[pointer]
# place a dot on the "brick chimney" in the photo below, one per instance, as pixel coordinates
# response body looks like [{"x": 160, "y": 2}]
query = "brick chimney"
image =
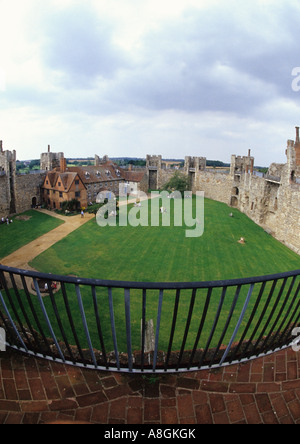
[
  {"x": 1, "y": 146},
  {"x": 63, "y": 165},
  {"x": 49, "y": 148},
  {"x": 297, "y": 134}
]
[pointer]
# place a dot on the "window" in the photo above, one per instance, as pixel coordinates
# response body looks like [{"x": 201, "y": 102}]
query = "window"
[
  {"x": 59, "y": 184},
  {"x": 77, "y": 194},
  {"x": 60, "y": 194},
  {"x": 77, "y": 182}
]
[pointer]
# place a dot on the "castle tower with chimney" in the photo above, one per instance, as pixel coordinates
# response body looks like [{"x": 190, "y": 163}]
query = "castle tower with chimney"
[
  {"x": 8, "y": 171},
  {"x": 50, "y": 160},
  {"x": 293, "y": 158}
]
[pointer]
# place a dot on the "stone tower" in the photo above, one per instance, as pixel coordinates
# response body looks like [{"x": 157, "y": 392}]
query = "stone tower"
[
  {"x": 154, "y": 166},
  {"x": 50, "y": 160},
  {"x": 293, "y": 158},
  {"x": 8, "y": 173}
]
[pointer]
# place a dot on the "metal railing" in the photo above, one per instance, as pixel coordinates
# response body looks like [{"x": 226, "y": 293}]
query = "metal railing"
[{"x": 103, "y": 324}]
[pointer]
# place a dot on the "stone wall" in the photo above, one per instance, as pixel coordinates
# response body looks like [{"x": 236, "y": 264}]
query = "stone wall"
[
  {"x": 28, "y": 191},
  {"x": 50, "y": 160},
  {"x": 272, "y": 200},
  {"x": 4, "y": 196}
]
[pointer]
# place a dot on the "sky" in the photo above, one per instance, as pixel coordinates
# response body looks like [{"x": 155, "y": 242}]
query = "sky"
[{"x": 136, "y": 77}]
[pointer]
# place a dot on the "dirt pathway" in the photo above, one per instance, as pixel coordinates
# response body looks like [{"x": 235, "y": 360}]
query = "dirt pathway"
[{"x": 21, "y": 257}]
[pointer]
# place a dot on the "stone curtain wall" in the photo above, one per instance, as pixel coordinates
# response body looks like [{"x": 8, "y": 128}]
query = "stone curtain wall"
[
  {"x": 273, "y": 201},
  {"x": 28, "y": 187},
  {"x": 4, "y": 197}
]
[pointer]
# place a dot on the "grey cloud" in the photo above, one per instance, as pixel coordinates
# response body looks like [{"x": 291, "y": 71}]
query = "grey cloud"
[
  {"x": 79, "y": 45},
  {"x": 226, "y": 59},
  {"x": 220, "y": 59}
]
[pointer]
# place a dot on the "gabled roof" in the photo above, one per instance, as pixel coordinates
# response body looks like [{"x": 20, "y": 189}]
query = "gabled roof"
[{"x": 66, "y": 179}]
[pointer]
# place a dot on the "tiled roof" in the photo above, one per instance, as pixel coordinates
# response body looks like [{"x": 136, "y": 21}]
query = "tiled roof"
[
  {"x": 100, "y": 173},
  {"x": 66, "y": 178},
  {"x": 134, "y": 176},
  {"x": 105, "y": 172}
]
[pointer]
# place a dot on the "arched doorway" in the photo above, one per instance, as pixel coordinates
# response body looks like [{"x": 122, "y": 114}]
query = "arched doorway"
[
  {"x": 234, "y": 201},
  {"x": 33, "y": 202}
]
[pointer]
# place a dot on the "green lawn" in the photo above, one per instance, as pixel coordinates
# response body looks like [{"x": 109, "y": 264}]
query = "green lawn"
[
  {"x": 21, "y": 232},
  {"x": 165, "y": 254}
]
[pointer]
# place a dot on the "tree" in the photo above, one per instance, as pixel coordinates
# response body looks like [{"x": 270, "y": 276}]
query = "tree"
[
  {"x": 70, "y": 205},
  {"x": 179, "y": 182},
  {"x": 34, "y": 163}
]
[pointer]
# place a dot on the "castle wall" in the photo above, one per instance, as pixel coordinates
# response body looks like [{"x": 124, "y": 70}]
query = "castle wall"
[
  {"x": 271, "y": 201},
  {"x": 216, "y": 186},
  {"x": 275, "y": 207},
  {"x": 28, "y": 191},
  {"x": 4, "y": 196}
]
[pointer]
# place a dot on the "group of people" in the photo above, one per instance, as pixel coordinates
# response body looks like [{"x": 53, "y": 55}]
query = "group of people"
[{"x": 6, "y": 220}]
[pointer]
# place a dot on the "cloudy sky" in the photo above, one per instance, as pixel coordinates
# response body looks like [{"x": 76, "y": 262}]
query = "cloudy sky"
[{"x": 136, "y": 77}]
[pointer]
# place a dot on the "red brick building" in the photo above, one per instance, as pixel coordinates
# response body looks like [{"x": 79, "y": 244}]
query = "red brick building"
[{"x": 80, "y": 183}]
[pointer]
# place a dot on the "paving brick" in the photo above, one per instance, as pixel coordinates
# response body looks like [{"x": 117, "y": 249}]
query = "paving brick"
[
  {"x": 100, "y": 414},
  {"x": 91, "y": 399},
  {"x": 267, "y": 391},
  {"x": 294, "y": 408},
  {"x": 252, "y": 414},
  {"x": 151, "y": 410},
  {"x": 263, "y": 402},
  {"x": 35, "y": 406},
  {"x": 280, "y": 407},
  {"x": 169, "y": 416},
  {"x": 63, "y": 404},
  {"x": 10, "y": 389},
  {"x": 37, "y": 389},
  {"x": 235, "y": 411},
  {"x": 203, "y": 414},
  {"x": 118, "y": 409},
  {"x": 134, "y": 416},
  {"x": 185, "y": 406},
  {"x": 242, "y": 388},
  {"x": 217, "y": 403}
]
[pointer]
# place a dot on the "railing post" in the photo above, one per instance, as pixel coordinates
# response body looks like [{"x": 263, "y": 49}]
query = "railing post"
[{"x": 128, "y": 328}]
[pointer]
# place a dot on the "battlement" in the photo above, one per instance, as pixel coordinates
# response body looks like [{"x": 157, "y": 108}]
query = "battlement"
[
  {"x": 195, "y": 163},
  {"x": 7, "y": 160},
  {"x": 242, "y": 164},
  {"x": 153, "y": 161}
]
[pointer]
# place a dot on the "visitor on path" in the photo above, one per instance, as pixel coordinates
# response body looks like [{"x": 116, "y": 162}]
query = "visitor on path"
[{"x": 82, "y": 213}]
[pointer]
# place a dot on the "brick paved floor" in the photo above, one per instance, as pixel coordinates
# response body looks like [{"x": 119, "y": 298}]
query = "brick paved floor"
[{"x": 265, "y": 391}]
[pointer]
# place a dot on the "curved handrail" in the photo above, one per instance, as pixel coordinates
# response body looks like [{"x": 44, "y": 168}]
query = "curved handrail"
[{"x": 195, "y": 325}]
